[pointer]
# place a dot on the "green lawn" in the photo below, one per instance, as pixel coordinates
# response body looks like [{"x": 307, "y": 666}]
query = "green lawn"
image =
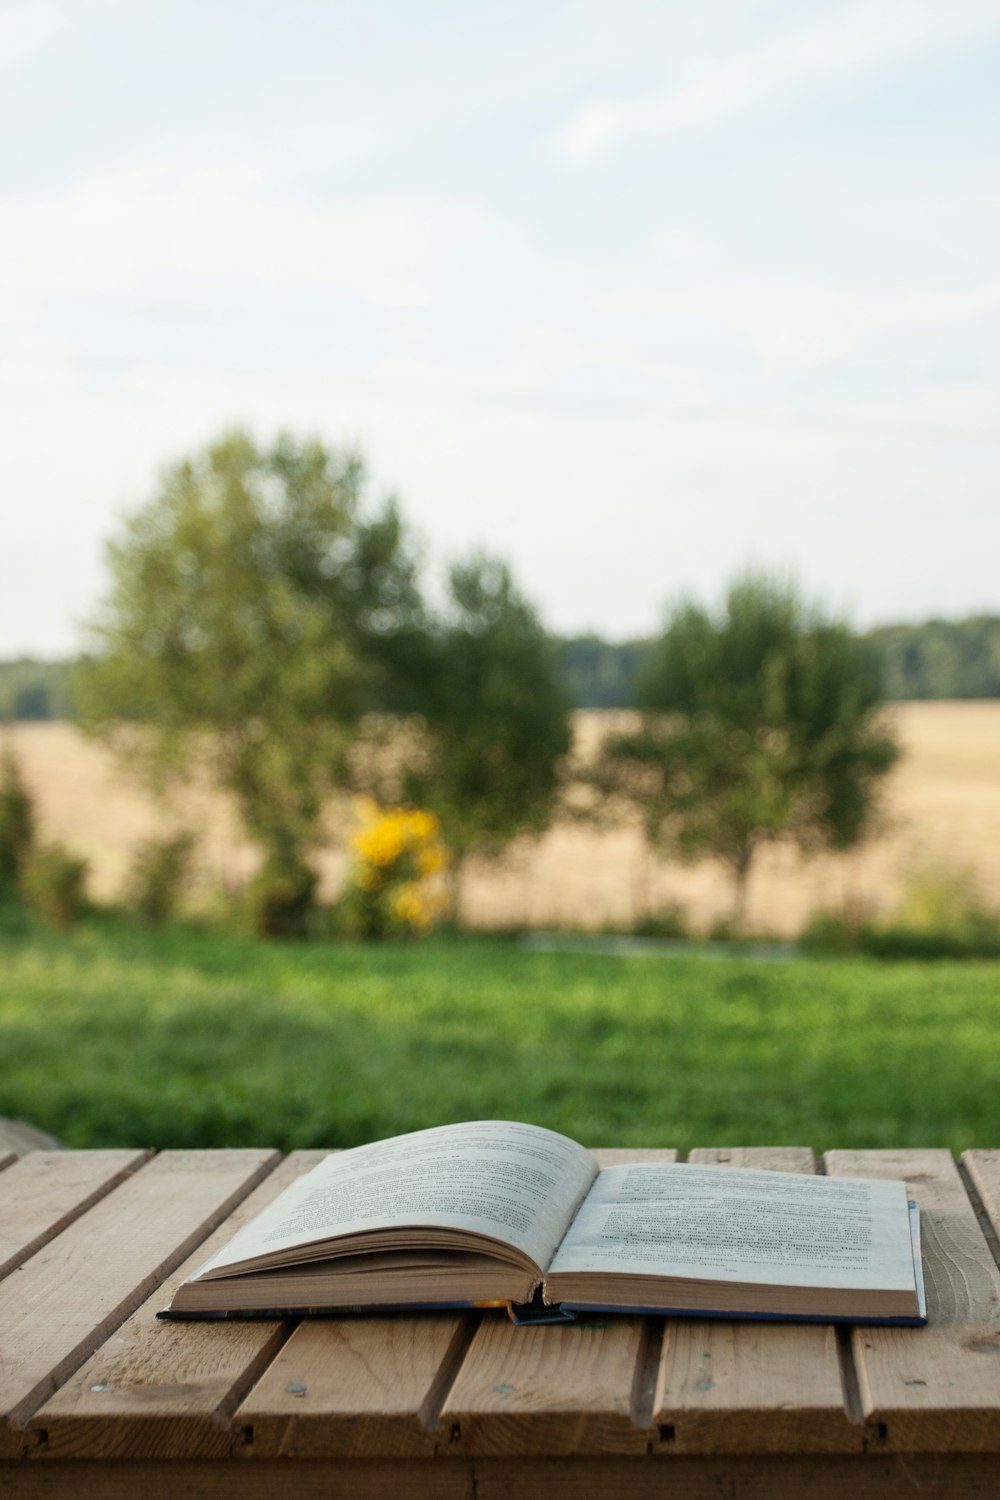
[{"x": 111, "y": 1035}]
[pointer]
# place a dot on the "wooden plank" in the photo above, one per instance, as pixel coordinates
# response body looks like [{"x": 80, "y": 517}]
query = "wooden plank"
[
  {"x": 45, "y": 1191},
  {"x": 566, "y": 1388},
  {"x": 357, "y": 1386},
  {"x": 160, "y": 1390},
  {"x": 726, "y": 1387},
  {"x": 231, "y": 1479},
  {"x": 570, "y": 1388},
  {"x": 65, "y": 1301},
  {"x": 763, "y": 1158},
  {"x": 862, "y": 1477},
  {"x": 21, "y": 1137},
  {"x": 866, "y": 1477},
  {"x": 982, "y": 1170},
  {"x": 937, "y": 1388}
]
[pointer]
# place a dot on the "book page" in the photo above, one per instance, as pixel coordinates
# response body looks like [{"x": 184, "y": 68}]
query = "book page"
[
  {"x": 719, "y": 1224},
  {"x": 517, "y": 1183}
]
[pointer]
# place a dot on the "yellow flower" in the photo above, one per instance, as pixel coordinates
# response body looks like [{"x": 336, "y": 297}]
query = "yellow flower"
[
  {"x": 398, "y": 850},
  {"x": 432, "y": 861},
  {"x": 408, "y": 906}
]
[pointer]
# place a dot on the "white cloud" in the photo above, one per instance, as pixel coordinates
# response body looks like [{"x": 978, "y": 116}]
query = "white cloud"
[
  {"x": 794, "y": 327},
  {"x": 172, "y": 225},
  {"x": 841, "y": 41},
  {"x": 538, "y": 363},
  {"x": 31, "y": 27}
]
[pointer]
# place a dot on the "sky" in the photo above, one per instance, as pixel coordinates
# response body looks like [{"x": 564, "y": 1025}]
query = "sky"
[{"x": 635, "y": 295}]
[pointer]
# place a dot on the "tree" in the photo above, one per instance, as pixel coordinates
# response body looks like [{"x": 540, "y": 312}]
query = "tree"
[
  {"x": 495, "y": 714},
  {"x": 759, "y": 724},
  {"x": 254, "y": 614}
]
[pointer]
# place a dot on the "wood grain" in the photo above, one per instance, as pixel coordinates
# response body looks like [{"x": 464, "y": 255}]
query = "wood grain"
[
  {"x": 239, "y": 1479},
  {"x": 862, "y": 1477},
  {"x": 157, "y": 1389},
  {"x": 935, "y": 1388},
  {"x": 357, "y": 1385},
  {"x": 405, "y": 1407},
  {"x": 560, "y": 1389},
  {"x": 868, "y": 1477},
  {"x": 45, "y": 1191},
  {"x": 982, "y": 1169},
  {"x": 571, "y": 1388},
  {"x": 725, "y": 1387},
  {"x": 70, "y": 1295}
]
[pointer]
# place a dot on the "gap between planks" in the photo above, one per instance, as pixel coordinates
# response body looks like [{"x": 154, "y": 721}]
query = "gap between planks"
[
  {"x": 949, "y": 1426},
  {"x": 45, "y": 1191},
  {"x": 166, "y": 1389},
  {"x": 735, "y": 1387},
  {"x": 937, "y": 1388},
  {"x": 71, "y": 1295},
  {"x": 584, "y": 1387}
]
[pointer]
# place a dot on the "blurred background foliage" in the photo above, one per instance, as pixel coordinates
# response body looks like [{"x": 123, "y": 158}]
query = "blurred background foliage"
[
  {"x": 927, "y": 660},
  {"x": 270, "y": 627}
]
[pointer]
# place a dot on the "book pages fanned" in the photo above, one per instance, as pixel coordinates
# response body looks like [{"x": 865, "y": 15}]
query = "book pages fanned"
[{"x": 497, "y": 1178}]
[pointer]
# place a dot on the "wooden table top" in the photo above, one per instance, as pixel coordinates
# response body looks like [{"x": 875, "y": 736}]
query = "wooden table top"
[{"x": 92, "y": 1244}]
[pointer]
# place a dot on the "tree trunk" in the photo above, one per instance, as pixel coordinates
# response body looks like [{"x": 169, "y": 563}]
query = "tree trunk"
[
  {"x": 741, "y": 874},
  {"x": 454, "y": 880},
  {"x": 642, "y": 884}
]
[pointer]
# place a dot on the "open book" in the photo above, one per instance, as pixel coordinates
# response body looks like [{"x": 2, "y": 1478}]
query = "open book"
[{"x": 499, "y": 1213}]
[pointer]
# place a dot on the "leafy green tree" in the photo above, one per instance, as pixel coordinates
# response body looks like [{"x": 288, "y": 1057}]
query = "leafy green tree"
[
  {"x": 495, "y": 713},
  {"x": 254, "y": 614},
  {"x": 759, "y": 724}
]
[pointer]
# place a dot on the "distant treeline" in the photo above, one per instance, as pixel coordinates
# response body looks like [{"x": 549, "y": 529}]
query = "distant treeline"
[
  {"x": 936, "y": 659},
  {"x": 32, "y": 690},
  {"x": 942, "y": 658}
]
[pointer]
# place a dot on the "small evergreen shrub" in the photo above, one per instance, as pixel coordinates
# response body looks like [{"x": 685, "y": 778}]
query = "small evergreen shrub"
[
  {"x": 281, "y": 897},
  {"x": 941, "y": 914},
  {"x": 667, "y": 922},
  {"x": 53, "y": 884},
  {"x": 160, "y": 868},
  {"x": 831, "y": 932},
  {"x": 17, "y": 824},
  {"x": 892, "y": 941}
]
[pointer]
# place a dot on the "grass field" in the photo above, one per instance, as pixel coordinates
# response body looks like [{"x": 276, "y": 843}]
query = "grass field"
[{"x": 113, "y": 1035}]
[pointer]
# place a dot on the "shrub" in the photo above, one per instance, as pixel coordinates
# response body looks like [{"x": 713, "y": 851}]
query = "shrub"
[
  {"x": 53, "y": 884},
  {"x": 156, "y": 880},
  {"x": 891, "y": 941},
  {"x": 280, "y": 898},
  {"x": 942, "y": 900},
  {"x": 941, "y": 914},
  {"x": 17, "y": 824},
  {"x": 831, "y": 932},
  {"x": 667, "y": 922},
  {"x": 396, "y": 885}
]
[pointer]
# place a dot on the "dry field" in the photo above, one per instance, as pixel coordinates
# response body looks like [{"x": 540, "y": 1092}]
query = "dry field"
[{"x": 943, "y": 814}]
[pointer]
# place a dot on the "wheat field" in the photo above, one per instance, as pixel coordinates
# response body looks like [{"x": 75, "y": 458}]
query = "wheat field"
[{"x": 942, "y": 815}]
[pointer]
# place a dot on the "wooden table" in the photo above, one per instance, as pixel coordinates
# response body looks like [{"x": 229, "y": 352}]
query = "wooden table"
[{"x": 98, "y": 1398}]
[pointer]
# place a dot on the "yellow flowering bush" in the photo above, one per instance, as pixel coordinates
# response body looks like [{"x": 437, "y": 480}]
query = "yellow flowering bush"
[{"x": 396, "y": 884}]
